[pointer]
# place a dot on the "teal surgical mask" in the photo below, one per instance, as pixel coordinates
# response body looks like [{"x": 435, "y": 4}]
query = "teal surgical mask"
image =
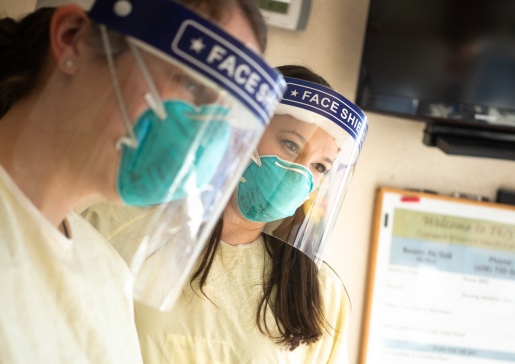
[
  {"x": 272, "y": 189},
  {"x": 148, "y": 171}
]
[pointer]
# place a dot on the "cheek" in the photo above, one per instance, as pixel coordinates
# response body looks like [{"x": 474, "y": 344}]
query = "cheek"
[
  {"x": 134, "y": 89},
  {"x": 170, "y": 83},
  {"x": 137, "y": 88},
  {"x": 177, "y": 93},
  {"x": 316, "y": 181},
  {"x": 269, "y": 145}
]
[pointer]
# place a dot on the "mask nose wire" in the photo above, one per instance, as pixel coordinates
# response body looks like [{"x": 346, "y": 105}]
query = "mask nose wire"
[
  {"x": 300, "y": 171},
  {"x": 152, "y": 98},
  {"x": 292, "y": 169},
  {"x": 129, "y": 140},
  {"x": 304, "y": 171}
]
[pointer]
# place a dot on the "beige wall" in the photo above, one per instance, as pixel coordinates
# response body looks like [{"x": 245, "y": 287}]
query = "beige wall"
[
  {"x": 15, "y": 8},
  {"x": 393, "y": 154}
]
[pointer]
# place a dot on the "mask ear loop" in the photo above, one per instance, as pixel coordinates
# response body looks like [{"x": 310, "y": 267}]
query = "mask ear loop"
[
  {"x": 152, "y": 98},
  {"x": 131, "y": 141}
]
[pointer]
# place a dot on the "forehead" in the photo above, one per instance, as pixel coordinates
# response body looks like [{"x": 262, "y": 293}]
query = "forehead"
[
  {"x": 236, "y": 24},
  {"x": 311, "y": 133},
  {"x": 289, "y": 123}
]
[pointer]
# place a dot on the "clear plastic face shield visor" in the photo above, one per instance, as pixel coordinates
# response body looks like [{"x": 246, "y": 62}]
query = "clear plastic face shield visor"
[
  {"x": 294, "y": 187},
  {"x": 182, "y": 104}
]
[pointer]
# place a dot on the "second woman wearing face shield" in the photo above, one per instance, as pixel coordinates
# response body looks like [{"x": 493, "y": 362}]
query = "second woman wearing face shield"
[
  {"x": 260, "y": 293},
  {"x": 121, "y": 98}
]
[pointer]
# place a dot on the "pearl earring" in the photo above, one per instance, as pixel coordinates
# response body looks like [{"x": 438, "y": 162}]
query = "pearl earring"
[{"x": 68, "y": 63}]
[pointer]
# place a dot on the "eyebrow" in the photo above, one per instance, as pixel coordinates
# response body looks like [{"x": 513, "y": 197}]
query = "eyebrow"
[
  {"x": 302, "y": 139},
  {"x": 331, "y": 162}
]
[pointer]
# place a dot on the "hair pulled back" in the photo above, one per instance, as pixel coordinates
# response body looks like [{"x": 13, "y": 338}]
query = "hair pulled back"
[
  {"x": 23, "y": 48},
  {"x": 24, "y": 44},
  {"x": 291, "y": 288}
]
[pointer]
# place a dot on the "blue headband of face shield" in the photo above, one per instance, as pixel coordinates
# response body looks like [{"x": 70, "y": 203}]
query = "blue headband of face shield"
[
  {"x": 165, "y": 136},
  {"x": 324, "y": 101}
]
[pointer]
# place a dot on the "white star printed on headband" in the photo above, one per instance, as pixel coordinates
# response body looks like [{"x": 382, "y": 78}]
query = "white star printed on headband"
[
  {"x": 197, "y": 45},
  {"x": 294, "y": 93}
]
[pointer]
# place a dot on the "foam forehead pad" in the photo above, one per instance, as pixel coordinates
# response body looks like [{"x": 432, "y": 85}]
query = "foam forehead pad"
[
  {"x": 340, "y": 136},
  {"x": 323, "y": 106}
]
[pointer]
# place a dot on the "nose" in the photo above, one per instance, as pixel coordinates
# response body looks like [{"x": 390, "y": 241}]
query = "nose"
[{"x": 303, "y": 159}]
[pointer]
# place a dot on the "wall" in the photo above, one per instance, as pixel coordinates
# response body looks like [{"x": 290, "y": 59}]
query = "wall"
[
  {"x": 14, "y": 8},
  {"x": 393, "y": 154}
]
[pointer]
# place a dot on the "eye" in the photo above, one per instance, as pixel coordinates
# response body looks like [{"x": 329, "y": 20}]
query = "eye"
[
  {"x": 191, "y": 86},
  {"x": 201, "y": 95},
  {"x": 292, "y": 146},
  {"x": 320, "y": 167}
]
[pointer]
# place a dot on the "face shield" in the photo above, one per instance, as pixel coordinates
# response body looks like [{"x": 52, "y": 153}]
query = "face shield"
[
  {"x": 182, "y": 104},
  {"x": 294, "y": 187},
  {"x": 203, "y": 94}
]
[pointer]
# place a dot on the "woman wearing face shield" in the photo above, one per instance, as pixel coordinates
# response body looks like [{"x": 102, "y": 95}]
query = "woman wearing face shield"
[
  {"x": 260, "y": 293},
  {"x": 101, "y": 97}
]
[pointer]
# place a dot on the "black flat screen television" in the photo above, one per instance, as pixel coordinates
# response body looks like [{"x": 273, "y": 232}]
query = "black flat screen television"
[{"x": 441, "y": 60}]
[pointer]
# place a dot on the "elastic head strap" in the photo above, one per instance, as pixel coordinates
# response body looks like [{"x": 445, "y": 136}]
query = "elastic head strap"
[
  {"x": 255, "y": 157},
  {"x": 153, "y": 99},
  {"x": 130, "y": 140}
]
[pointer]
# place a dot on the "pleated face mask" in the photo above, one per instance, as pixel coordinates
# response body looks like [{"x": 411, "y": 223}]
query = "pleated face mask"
[
  {"x": 148, "y": 172},
  {"x": 272, "y": 188}
]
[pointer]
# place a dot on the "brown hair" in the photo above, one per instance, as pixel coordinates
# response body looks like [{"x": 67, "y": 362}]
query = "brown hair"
[
  {"x": 291, "y": 290},
  {"x": 23, "y": 49},
  {"x": 24, "y": 44}
]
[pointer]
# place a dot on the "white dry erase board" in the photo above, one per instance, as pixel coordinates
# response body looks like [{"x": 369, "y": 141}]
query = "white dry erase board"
[{"x": 441, "y": 282}]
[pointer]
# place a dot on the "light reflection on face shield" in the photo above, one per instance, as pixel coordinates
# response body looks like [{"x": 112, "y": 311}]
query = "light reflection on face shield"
[{"x": 173, "y": 82}]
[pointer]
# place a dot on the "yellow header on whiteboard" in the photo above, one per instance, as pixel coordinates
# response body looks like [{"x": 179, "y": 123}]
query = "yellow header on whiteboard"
[{"x": 454, "y": 230}]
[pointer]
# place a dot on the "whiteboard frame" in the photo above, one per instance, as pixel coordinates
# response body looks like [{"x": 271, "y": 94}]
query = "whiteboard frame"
[{"x": 487, "y": 211}]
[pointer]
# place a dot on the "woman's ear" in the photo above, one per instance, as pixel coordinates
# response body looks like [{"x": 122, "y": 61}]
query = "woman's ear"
[{"x": 67, "y": 23}]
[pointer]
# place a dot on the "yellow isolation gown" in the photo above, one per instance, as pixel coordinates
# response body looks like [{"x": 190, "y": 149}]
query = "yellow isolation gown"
[
  {"x": 62, "y": 300},
  {"x": 222, "y": 330}
]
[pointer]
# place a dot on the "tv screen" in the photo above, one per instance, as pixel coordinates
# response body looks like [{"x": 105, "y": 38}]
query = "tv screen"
[{"x": 444, "y": 60}]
